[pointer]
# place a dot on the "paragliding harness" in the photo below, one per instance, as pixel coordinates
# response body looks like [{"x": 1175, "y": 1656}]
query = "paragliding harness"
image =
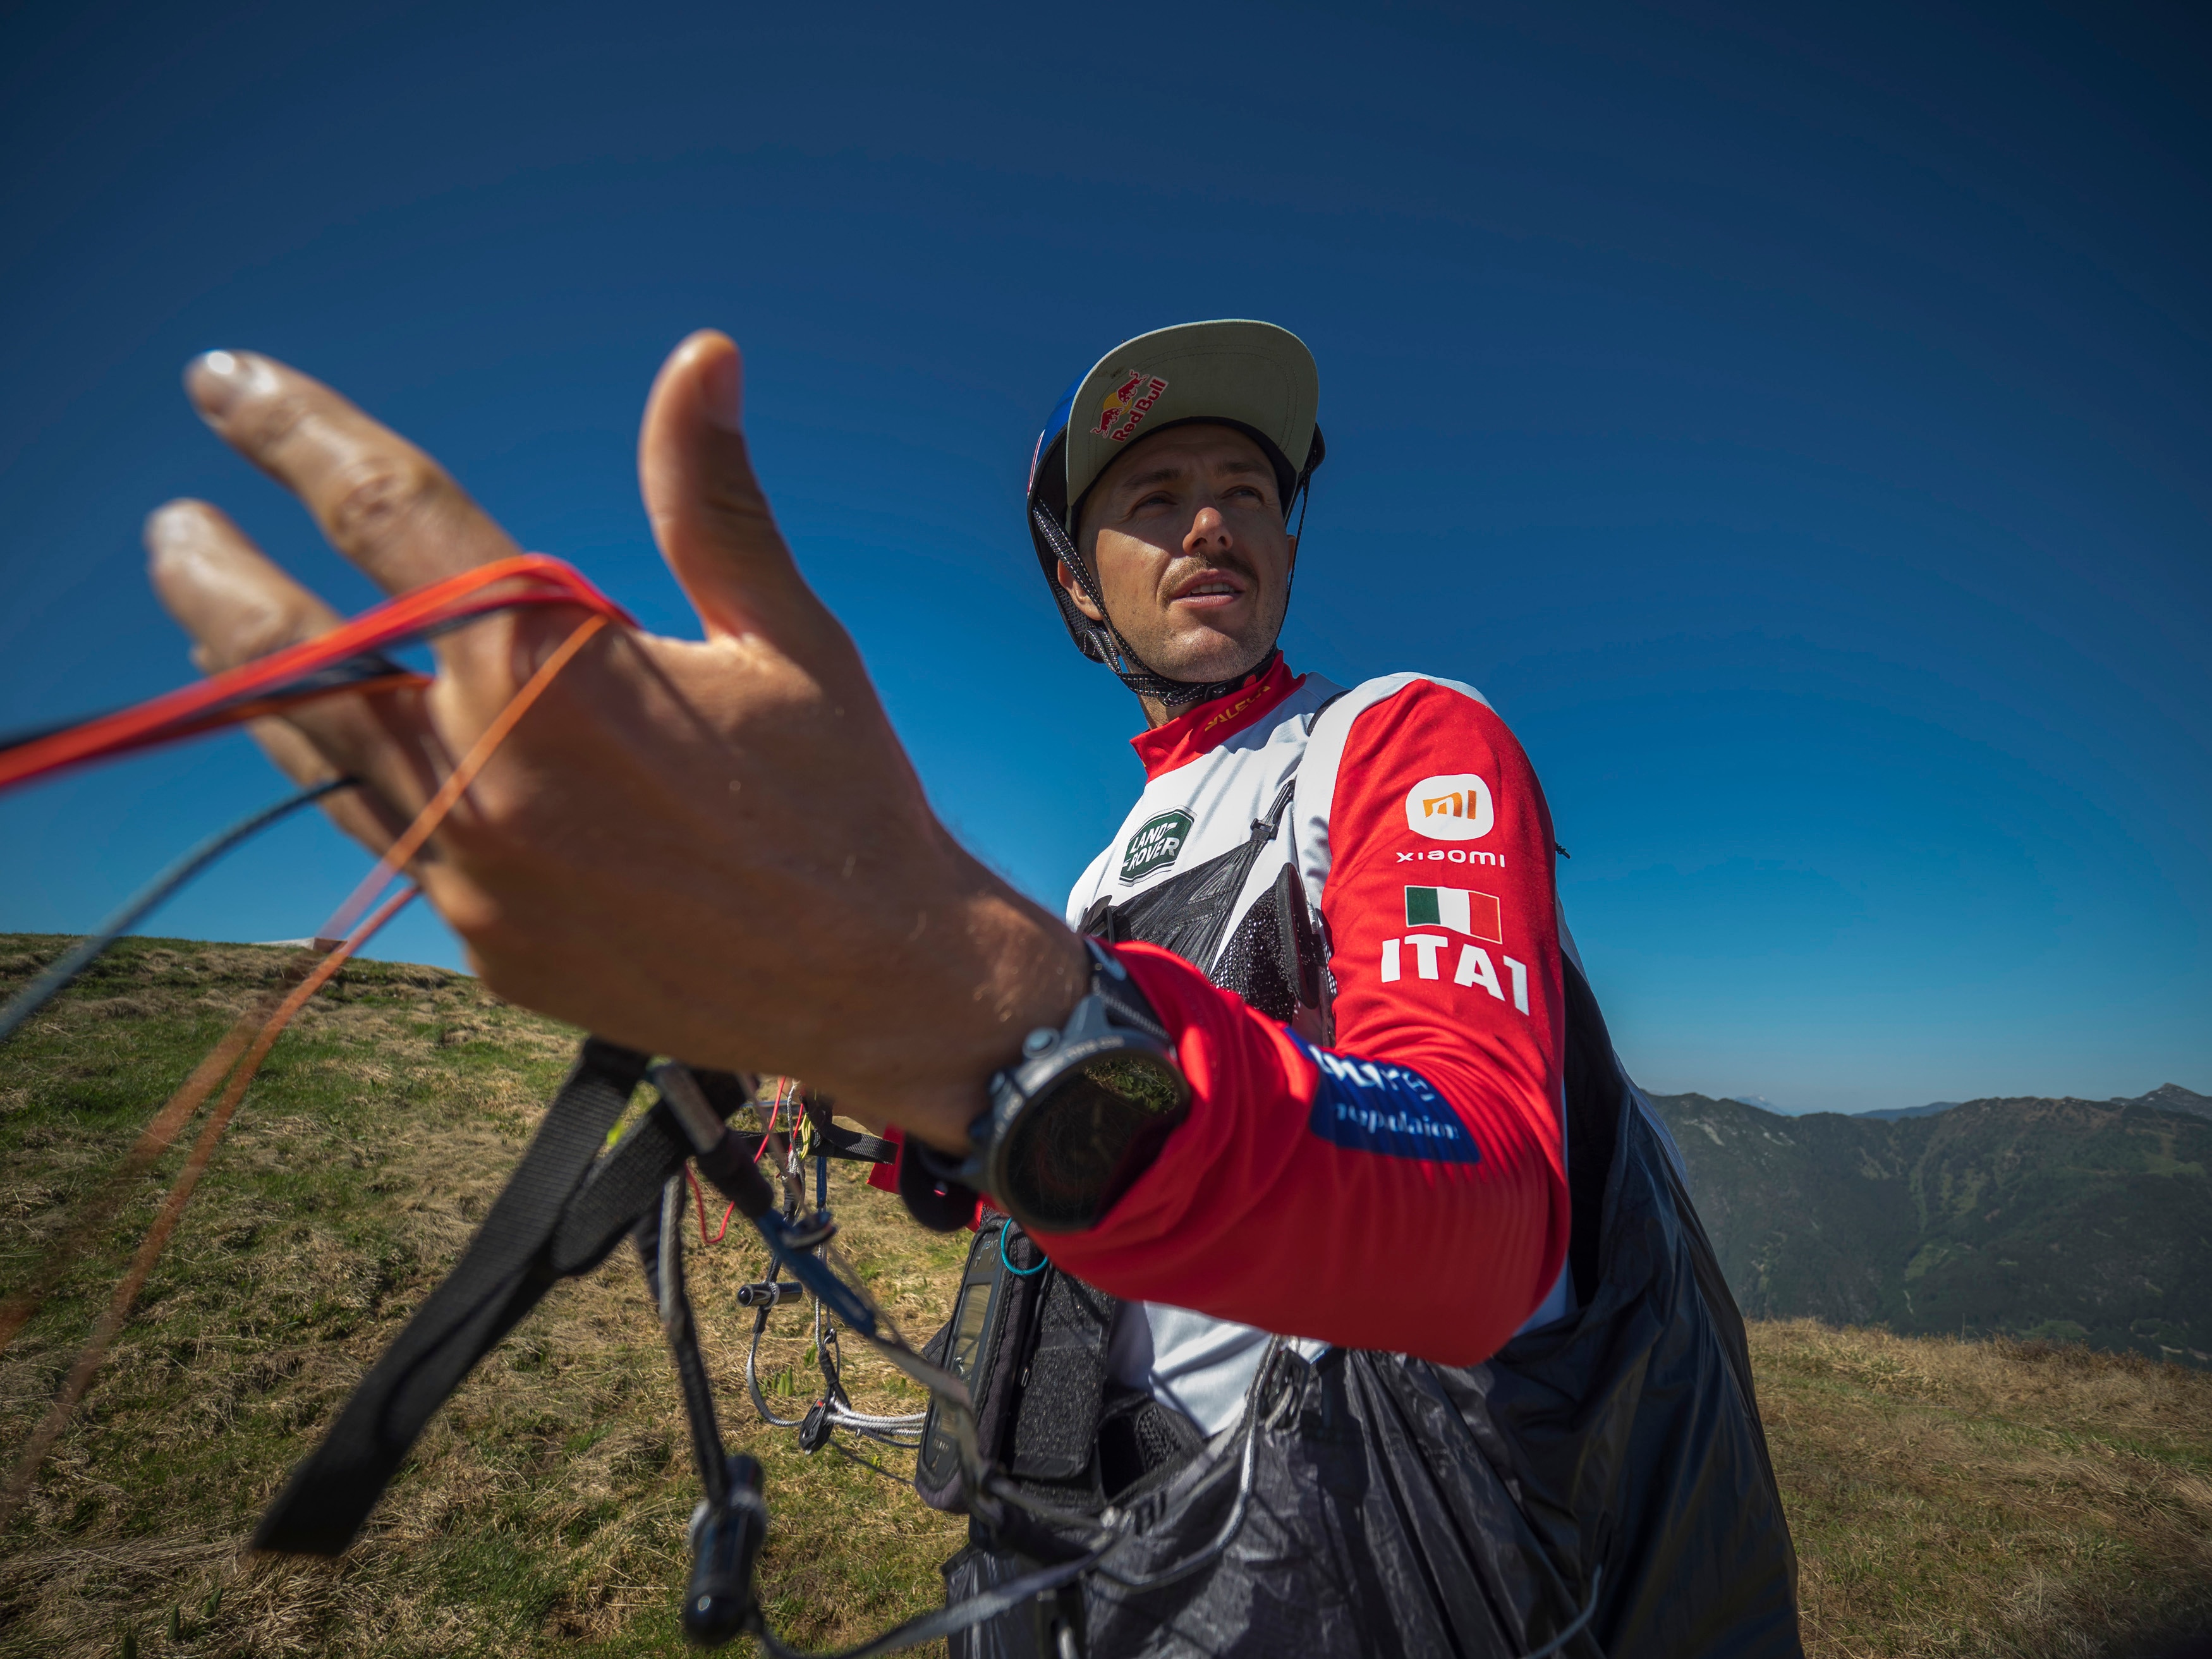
[
  {"x": 570, "y": 1202},
  {"x": 637, "y": 1189},
  {"x": 1600, "y": 1486}
]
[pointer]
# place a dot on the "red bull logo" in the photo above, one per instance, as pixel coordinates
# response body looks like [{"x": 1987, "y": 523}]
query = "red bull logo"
[{"x": 1127, "y": 405}]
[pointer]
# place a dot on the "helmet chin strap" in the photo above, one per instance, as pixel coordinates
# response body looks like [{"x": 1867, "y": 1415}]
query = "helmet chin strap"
[{"x": 1103, "y": 642}]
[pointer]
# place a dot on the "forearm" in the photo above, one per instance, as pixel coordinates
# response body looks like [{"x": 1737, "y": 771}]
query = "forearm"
[{"x": 1289, "y": 1200}]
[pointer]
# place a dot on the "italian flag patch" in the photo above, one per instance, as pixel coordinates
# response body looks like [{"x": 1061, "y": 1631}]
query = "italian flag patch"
[{"x": 1475, "y": 915}]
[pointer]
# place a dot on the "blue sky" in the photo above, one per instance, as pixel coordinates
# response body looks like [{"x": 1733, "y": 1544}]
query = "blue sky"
[{"x": 1799, "y": 430}]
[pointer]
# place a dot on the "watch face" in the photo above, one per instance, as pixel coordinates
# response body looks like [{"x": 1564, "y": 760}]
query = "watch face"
[
  {"x": 1065, "y": 1154},
  {"x": 1132, "y": 1080}
]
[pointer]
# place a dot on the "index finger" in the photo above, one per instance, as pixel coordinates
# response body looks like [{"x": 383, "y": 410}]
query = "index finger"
[{"x": 380, "y": 501}]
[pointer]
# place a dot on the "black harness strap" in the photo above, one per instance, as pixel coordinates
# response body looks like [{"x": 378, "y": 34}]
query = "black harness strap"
[
  {"x": 626, "y": 1183},
  {"x": 838, "y": 1141},
  {"x": 617, "y": 1189},
  {"x": 505, "y": 1270}
]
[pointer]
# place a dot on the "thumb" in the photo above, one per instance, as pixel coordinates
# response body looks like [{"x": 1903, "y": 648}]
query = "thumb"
[{"x": 708, "y": 511}]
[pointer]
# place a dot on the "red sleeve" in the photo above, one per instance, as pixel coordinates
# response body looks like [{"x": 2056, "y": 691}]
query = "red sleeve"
[{"x": 1407, "y": 1190}]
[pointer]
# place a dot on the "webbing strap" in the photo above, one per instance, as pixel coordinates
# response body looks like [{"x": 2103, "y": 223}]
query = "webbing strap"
[
  {"x": 616, "y": 1190},
  {"x": 500, "y": 1276},
  {"x": 838, "y": 1141}
]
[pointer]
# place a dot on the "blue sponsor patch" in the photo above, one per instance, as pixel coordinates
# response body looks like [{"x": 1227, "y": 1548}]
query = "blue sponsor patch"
[{"x": 1370, "y": 1107}]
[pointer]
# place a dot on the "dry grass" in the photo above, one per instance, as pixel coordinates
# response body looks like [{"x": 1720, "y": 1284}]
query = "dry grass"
[
  {"x": 1948, "y": 1498},
  {"x": 1955, "y": 1498},
  {"x": 545, "y": 1507}
]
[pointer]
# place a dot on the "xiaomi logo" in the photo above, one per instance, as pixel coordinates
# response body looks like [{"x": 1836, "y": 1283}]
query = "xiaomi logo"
[{"x": 1454, "y": 807}]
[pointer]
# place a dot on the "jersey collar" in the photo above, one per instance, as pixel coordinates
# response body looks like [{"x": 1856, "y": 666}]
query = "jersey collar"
[{"x": 1205, "y": 727}]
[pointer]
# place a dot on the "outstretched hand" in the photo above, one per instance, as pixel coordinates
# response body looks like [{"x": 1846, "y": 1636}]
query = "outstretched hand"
[{"x": 712, "y": 849}]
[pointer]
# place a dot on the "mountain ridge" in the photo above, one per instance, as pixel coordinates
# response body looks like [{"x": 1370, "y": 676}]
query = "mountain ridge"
[
  {"x": 2058, "y": 1218},
  {"x": 2167, "y": 1097},
  {"x": 1891, "y": 1113}
]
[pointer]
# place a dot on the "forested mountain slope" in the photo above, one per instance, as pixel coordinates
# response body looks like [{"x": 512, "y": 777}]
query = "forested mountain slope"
[
  {"x": 2167, "y": 1097},
  {"x": 2072, "y": 1219}
]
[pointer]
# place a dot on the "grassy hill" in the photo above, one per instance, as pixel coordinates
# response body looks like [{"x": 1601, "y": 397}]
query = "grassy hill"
[
  {"x": 1947, "y": 1497},
  {"x": 2073, "y": 1220}
]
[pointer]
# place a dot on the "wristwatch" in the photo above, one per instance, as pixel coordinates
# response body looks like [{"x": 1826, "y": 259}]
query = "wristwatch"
[{"x": 1071, "y": 1125}]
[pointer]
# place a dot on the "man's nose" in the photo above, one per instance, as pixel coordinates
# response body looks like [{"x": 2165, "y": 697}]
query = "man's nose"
[{"x": 1208, "y": 531}]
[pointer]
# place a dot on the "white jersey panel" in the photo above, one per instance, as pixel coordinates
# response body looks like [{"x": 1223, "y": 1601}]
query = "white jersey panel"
[{"x": 1205, "y": 808}]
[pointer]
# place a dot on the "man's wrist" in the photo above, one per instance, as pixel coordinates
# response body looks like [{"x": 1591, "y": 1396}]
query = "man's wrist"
[
  {"x": 1072, "y": 1122},
  {"x": 1083, "y": 1112},
  {"x": 1030, "y": 971}
]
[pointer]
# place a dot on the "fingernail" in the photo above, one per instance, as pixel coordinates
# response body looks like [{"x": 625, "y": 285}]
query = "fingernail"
[
  {"x": 171, "y": 525},
  {"x": 722, "y": 393},
  {"x": 215, "y": 380}
]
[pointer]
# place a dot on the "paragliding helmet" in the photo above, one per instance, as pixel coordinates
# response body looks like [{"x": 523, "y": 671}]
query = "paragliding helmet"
[{"x": 1254, "y": 377}]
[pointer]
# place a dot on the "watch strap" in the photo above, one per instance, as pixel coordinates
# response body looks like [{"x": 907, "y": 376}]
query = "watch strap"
[{"x": 1112, "y": 1016}]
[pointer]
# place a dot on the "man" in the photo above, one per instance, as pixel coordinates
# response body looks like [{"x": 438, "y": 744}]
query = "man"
[
  {"x": 1173, "y": 468},
  {"x": 1364, "y": 1147}
]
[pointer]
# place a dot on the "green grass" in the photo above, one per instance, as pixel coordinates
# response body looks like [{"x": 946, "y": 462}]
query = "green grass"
[
  {"x": 1948, "y": 1498},
  {"x": 544, "y": 1508}
]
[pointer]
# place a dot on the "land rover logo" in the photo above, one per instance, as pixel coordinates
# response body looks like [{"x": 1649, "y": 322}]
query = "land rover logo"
[{"x": 1155, "y": 845}]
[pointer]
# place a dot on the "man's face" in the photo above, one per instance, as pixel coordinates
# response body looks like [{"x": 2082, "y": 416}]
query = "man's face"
[{"x": 1187, "y": 539}]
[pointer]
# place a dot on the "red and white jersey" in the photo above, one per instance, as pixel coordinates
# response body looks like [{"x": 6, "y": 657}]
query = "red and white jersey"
[{"x": 1397, "y": 1179}]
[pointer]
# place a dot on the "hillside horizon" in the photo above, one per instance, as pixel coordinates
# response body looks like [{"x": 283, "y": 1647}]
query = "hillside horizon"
[
  {"x": 1927, "y": 1480},
  {"x": 2167, "y": 1096},
  {"x": 2057, "y": 1219},
  {"x": 2163, "y": 1097}
]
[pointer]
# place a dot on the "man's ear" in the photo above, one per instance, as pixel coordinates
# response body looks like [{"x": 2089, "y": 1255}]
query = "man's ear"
[
  {"x": 1293, "y": 541},
  {"x": 1081, "y": 600}
]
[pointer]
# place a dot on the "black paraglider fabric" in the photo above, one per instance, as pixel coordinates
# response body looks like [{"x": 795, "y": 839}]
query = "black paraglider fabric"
[
  {"x": 500, "y": 1277},
  {"x": 1066, "y": 1382},
  {"x": 1402, "y": 1507}
]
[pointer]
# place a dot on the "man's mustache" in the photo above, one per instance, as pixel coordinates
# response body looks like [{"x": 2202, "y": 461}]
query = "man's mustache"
[{"x": 1181, "y": 573}]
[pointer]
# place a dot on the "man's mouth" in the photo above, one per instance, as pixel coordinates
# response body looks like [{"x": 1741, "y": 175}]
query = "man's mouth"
[{"x": 1208, "y": 589}]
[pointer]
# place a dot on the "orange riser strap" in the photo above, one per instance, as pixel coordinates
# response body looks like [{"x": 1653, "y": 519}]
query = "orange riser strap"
[{"x": 247, "y": 690}]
